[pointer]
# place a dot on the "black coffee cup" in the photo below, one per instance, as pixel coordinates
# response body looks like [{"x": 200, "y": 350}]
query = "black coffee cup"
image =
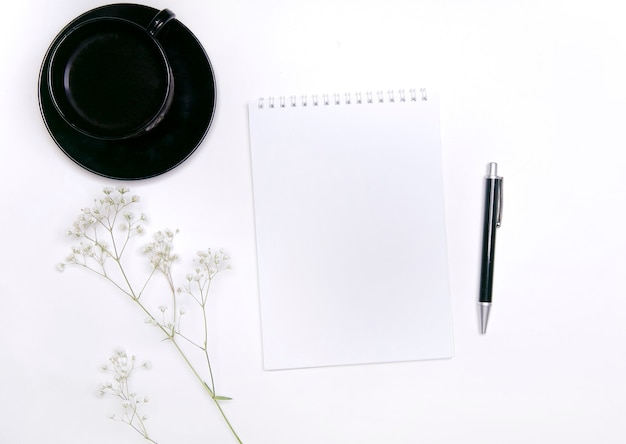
[{"x": 110, "y": 78}]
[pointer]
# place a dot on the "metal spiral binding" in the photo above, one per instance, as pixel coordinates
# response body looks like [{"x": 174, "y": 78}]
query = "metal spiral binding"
[{"x": 336, "y": 99}]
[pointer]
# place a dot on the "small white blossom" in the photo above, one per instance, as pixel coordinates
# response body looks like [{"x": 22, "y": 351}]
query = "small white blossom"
[{"x": 122, "y": 368}]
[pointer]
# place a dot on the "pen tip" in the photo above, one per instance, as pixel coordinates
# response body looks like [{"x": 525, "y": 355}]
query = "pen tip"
[{"x": 483, "y": 311}]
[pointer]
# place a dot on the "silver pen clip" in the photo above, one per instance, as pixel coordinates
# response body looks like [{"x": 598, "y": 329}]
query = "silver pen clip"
[{"x": 500, "y": 201}]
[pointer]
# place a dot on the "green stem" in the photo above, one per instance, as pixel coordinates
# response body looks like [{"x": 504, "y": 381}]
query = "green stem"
[
  {"x": 205, "y": 348},
  {"x": 206, "y": 387},
  {"x": 197, "y": 375},
  {"x": 182, "y": 354},
  {"x": 170, "y": 282},
  {"x": 204, "y": 295}
]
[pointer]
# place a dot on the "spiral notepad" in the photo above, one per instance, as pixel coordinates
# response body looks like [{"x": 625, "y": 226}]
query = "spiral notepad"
[{"x": 350, "y": 227}]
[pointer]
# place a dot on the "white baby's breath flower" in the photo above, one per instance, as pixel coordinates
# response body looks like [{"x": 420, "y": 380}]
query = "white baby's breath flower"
[
  {"x": 120, "y": 387},
  {"x": 105, "y": 232}
]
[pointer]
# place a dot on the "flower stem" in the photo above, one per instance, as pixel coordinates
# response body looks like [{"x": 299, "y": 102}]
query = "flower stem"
[
  {"x": 205, "y": 386},
  {"x": 171, "y": 336}
]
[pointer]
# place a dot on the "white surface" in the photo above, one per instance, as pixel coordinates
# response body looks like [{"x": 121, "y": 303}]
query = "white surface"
[
  {"x": 536, "y": 86},
  {"x": 351, "y": 235}
]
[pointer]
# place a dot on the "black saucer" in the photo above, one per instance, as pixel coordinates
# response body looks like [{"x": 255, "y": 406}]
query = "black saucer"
[{"x": 174, "y": 139}]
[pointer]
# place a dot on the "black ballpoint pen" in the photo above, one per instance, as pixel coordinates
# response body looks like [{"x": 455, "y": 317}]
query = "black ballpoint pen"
[{"x": 493, "y": 217}]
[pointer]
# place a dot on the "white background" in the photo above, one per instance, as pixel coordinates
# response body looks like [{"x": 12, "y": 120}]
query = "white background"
[{"x": 537, "y": 86}]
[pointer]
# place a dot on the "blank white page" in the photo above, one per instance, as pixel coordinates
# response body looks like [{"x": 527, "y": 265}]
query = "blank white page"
[{"x": 350, "y": 229}]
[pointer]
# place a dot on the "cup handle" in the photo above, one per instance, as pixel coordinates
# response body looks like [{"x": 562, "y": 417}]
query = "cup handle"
[{"x": 159, "y": 21}]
